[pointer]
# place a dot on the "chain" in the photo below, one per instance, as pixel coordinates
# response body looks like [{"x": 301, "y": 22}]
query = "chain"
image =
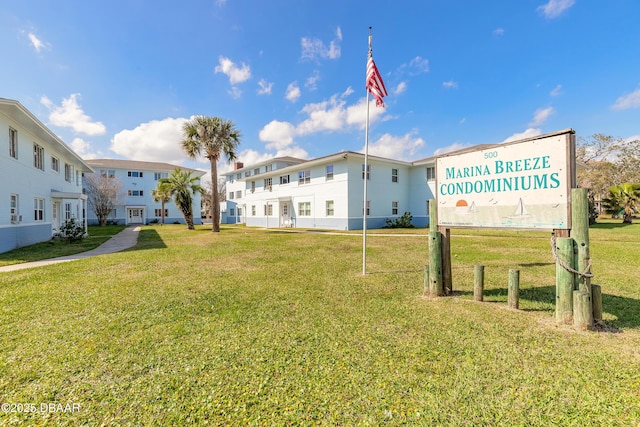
[{"x": 566, "y": 266}]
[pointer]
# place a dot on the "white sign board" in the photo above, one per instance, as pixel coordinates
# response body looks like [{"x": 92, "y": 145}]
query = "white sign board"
[{"x": 523, "y": 184}]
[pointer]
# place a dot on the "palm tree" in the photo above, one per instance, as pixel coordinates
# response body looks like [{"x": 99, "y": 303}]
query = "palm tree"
[
  {"x": 161, "y": 194},
  {"x": 211, "y": 137},
  {"x": 623, "y": 199},
  {"x": 181, "y": 185}
]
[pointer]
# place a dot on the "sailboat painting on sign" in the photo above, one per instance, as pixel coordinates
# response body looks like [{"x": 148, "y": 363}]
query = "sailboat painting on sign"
[{"x": 520, "y": 212}]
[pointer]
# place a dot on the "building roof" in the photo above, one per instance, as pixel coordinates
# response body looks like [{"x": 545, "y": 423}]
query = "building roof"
[
  {"x": 139, "y": 165},
  {"x": 20, "y": 114}
]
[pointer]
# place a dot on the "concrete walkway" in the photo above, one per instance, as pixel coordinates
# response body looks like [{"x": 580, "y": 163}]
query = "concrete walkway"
[{"x": 126, "y": 239}]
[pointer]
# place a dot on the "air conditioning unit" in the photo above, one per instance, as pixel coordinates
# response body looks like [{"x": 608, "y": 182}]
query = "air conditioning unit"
[{"x": 16, "y": 218}]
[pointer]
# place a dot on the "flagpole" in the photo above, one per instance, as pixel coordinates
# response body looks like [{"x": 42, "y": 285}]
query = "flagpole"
[{"x": 365, "y": 176}]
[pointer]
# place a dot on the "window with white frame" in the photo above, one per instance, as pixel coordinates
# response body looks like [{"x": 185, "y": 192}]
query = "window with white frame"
[
  {"x": 38, "y": 156},
  {"x": 304, "y": 209},
  {"x": 253, "y": 210},
  {"x": 247, "y": 174},
  {"x": 368, "y": 207},
  {"x": 239, "y": 211},
  {"x": 431, "y": 173},
  {"x": 368, "y": 171},
  {"x": 268, "y": 168},
  {"x": 13, "y": 206},
  {"x": 394, "y": 208},
  {"x": 231, "y": 195},
  {"x": 108, "y": 173},
  {"x": 160, "y": 175},
  {"x": 136, "y": 193},
  {"x": 253, "y": 186},
  {"x": 55, "y": 164},
  {"x": 158, "y": 212},
  {"x": 68, "y": 172},
  {"x": 13, "y": 143},
  {"x": 394, "y": 175},
  {"x": 239, "y": 194},
  {"x": 329, "y": 205},
  {"x": 67, "y": 211},
  {"x": 135, "y": 174},
  {"x": 38, "y": 209},
  {"x": 284, "y": 179},
  {"x": 268, "y": 210},
  {"x": 232, "y": 212},
  {"x": 256, "y": 171},
  {"x": 304, "y": 177},
  {"x": 328, "y": 172},
  {"x": 267, "y": 184}
]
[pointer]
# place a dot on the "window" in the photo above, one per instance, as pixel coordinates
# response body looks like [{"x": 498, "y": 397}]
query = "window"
[
  {"x": 239, "y": 211},
  {"x": 38, "y": 156},
  {"x": 329, "y": 207},
  {"x": 239, "y": 175},
  {"x": 253, "y": 210},
  {"x": 268, "y": 168},
  {"x": 67, "y": 211},
  {"x": 13, "y": 207},
  {"x": 304, "y": 177},
  {"x": 232, "y": 212},
  {"x": 268, "y": 210},
  {"x": 239, "y": 194},
  {"x": 135, "y": 174},
  {"x": 431, "y": 173},
  {"x": 394, "y": 208},
  {"x": 158, "y": 212},
  {"x": 38, "y": 209},
  {"x": 368, "y": 207},
  {"x": 267, "y": 184},
  {"x": 368, "y": 171},
  {"x": 68, "y": 172},
  {"x": 230, "y": 195},
  {"x": 135, "y": 193},
  {"x": 394, "y": 175},
  {"x": 13, "y": 143},
  {"x": 284, "y": 179},
  {"x": 256, "y": 171},
  {"x": 253, "y": 186},
  {"x": 55, "y": 164},
  {"x": 160, "y": 175},
  {"x": 247, "y": 174},
  {"x": 110, "y": 173},
  {"x": 328, "y": 173},
  {"x": 304, "y": 209}
]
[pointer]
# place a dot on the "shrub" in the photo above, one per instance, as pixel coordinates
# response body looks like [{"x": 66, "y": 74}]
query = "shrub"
[
  {"x": 71, "y": 231},
  {"x": 402, "y": 222}
]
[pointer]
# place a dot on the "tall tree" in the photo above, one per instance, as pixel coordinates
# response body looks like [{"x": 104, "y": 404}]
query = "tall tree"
[
  {"x": 211, "y": 137},
  {"x": 104, "y": 194},
  {"x": 623, "y": 199},
  {"x": 182, "y": 186},
  {"x": 163, "y": 195}
]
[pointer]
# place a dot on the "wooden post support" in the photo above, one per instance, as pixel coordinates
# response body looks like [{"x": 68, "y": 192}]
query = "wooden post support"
[
  {"x": 435, "y": 264},
  {"x": 447, "y": 280},
  {"x": 478, "y": 283},
  {"x": 580, "y": 233},
  {"x": 425, "y": 279},
  {"x": 564, "y": 281},
  {"x": 433, "y": 215},
  {"x": 582, "y": 310},
  {"x": 514, "y": 289},
  {"x": 596, "y": 300}
]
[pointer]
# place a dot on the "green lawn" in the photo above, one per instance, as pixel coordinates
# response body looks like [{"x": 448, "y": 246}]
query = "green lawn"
[{"x": 254, "y": 327}]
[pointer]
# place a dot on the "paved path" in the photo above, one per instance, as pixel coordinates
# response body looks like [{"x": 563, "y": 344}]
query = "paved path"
[{"x": 126, "y": 239}]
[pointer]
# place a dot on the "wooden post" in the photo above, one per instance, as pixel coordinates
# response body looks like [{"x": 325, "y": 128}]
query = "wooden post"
[
  {"x": 564, "y": 280},
  {"x": 582, "y": 310},
  {"x": 580, "y": 233},
  {"x": 596, "y": 300},
  {"x": 446, "y": 262},
  {"x": 435, "y": 264},
  {"x": 433, "y": 215},
  {"x": 514, "y": 289},
  {"x": 425, "y": 279},
  {"x": 478, "y": 283}
]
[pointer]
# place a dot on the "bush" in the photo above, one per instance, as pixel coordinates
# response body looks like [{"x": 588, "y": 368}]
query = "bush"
[
  {"x": 71, "y": 231},
  {"x": 402, "y": 222}
]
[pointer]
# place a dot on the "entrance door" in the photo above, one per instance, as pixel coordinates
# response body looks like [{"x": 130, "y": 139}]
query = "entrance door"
[
  {"x": 135, "y": 216},
  {"x": 285, "y": 215},
  {"x": 56, "y": 215}
]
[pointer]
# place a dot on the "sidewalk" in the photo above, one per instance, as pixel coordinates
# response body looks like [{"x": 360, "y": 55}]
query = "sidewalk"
[{"x": 126, "y": 239}]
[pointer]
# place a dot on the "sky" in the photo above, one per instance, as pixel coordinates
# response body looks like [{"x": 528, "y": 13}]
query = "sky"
[{"x": 119, "y": 78}]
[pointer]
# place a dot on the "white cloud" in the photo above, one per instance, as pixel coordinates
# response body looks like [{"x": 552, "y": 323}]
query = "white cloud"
[
  {"x": 234, "y": 92},
  {"x": 450, "y": 148},
  {"x": 357, "y": 114},
  {"x": 462, "y": 120},
  {"x": 313, "y": 48},
  {"x": 347, "y": 92},
  {"x": 155, "y": 141},
  {"x": 278, "y": 134},
  {"x": 84, "y": 149},
  {"x": 556, "y": 91},
  {"x": 450, "y": 84},
  {"x": 396, "y": 147},
  {"x": 419, "y": 65},
  {"x": 71, "y": 115},
  {"x": 541, "y": 115},
  {"x": 312, "y": 81},
  {"x": 401, "y": 88},
  {"x": 529, "y": 133},
  {"x": 555, "y": 8},
  {"x": 265, "y": 87},
  {"x": 498, "y": 32},
  {"x": 230, "y": 69},
  {"x": 293, "y": 92},
  {"x": 631, "y": 100},
  {"x": 37, "y": 44}
]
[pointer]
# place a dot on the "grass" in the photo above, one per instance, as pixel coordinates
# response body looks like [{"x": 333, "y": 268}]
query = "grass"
[
  {"x": 57, "y": 248},
  {"x": 254, "y": 327}
]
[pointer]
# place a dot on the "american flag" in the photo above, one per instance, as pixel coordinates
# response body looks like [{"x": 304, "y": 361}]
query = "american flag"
[{"x": 375, "y": 85}]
